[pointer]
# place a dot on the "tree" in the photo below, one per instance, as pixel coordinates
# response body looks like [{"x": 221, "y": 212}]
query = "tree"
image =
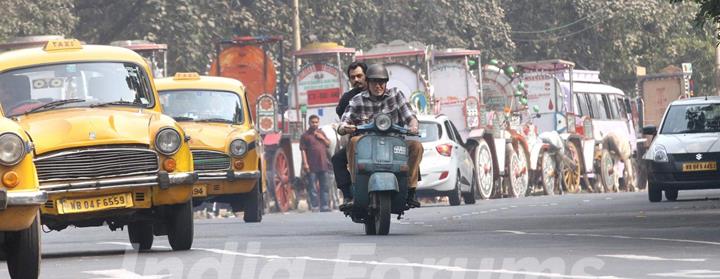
[
  {"x": 613, "y": 37},
  {"x": 40, "y": 17}
]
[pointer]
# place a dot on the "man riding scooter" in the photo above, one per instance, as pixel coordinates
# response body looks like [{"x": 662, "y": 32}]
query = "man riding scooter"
[{"x": 365, "y": 106}]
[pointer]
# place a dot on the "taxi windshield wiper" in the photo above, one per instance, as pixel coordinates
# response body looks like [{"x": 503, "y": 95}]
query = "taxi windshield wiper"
[
  {"x": 115, "y": 103},
  {"x": 53, "y": 104},
  {"x": 221, "y": 120},
  {"x": 183, "y": 118}
]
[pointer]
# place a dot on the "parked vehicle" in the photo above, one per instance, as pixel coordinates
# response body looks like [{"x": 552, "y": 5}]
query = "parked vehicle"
[
  {"x": 685, "y": 150},
  {"x": 97, "y": 105},
  {"x": 282, "y": 112},
  {"x": 447, "y": 167},
  {"x": 226, "y": 148},
  {"x": 155, "y": 54},
  {"x": 566, "y": 96},
  {"x": 20, "y": 201},
  {"x": 381, "y": 175}
]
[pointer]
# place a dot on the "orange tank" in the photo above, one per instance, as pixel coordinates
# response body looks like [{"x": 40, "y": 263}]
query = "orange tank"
[{"x": 245, "y": 63}]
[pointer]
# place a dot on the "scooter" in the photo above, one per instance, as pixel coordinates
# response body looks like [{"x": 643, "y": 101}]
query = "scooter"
[{"x": 381, "y": 175}]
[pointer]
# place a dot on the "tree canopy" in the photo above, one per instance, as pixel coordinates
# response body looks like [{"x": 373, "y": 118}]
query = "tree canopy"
[{"x": 610, "y": 36}]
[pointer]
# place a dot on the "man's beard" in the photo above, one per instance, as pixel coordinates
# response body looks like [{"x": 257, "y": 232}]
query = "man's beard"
[{"x": 358, "y": 85}]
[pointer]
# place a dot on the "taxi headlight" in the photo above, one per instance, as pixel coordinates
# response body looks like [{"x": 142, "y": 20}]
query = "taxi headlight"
[
  {"x": 167, "y": 141},
  {"x": 238, "y": 147},
  {"x": 383, "y": 122},
  {"x": 660, "y": 154},
  {"x": 12, "y": 149}
]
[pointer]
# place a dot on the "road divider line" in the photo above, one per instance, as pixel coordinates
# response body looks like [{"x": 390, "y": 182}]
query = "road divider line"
[
  {"x": 650, "y": 258},
  {"x": 614, "y": 236}
]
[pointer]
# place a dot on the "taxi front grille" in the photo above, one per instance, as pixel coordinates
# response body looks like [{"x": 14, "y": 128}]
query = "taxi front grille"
[
  {"x": 205, "y": 160},
  {"x": 79, "y": 164}
]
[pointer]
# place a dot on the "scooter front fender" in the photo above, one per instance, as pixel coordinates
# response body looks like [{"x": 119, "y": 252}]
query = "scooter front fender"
[{"x": 383, "y": 181}]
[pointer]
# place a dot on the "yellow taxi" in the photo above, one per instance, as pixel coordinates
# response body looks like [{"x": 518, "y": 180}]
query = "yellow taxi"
[
  {"x": 20, "y": 201},
  {"x": 226, "y": 148},
  {"x": 104, "y": 152}
]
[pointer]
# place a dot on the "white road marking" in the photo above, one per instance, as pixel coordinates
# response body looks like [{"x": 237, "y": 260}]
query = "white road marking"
[
  {"x": 375, "y": 263},
  {"x": 693, "y": 273},
  {"x": 412, "y": 265},
  {"x": 619, "y": 237},
  {"x": 513, "y": 232},
  {"x": 650, "y": 258},
  {"x": 122, "y": 274}
]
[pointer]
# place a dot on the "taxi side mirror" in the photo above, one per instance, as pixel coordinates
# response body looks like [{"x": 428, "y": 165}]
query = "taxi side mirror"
[{"x": 649, "y": 130}]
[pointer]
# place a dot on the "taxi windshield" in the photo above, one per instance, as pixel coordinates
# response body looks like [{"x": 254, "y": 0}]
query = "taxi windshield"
[
  {"x": 687, "y": 119},
  {"x": 58, "y": 86},
  {"x": 202, "y": 106}
]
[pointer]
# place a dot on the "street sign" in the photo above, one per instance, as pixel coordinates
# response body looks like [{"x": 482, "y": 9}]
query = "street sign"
[{"x": 687, "y": 68}]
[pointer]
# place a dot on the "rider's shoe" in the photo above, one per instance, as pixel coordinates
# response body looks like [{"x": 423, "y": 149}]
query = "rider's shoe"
[
  {"x": 412, "y": 201},
  {"x": 347, "y": 204}
]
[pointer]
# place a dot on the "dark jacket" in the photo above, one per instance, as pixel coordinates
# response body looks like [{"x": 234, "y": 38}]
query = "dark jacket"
[{"x": 345, "y": 100}]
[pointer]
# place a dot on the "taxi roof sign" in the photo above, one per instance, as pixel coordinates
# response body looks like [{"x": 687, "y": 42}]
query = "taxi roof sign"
[
  {"x": 62, "y": 44},
  {"x": 186, "y": 76}
]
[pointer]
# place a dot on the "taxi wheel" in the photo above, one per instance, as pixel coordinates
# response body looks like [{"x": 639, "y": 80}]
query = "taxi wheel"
[
  {"x": 671, "y": 194},
  {"x": 180, "y": 227},
  {"x": 654, "y": 193},
  {"x": 253, "y": 202},
  {"x": 141, "y": 235},
  {"x": 23, "y": 251}
]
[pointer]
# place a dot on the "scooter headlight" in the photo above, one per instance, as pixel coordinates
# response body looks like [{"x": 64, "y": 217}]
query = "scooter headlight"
[
  {"x": 383, "y": 122},
  {"x": 12, "y": 149}
]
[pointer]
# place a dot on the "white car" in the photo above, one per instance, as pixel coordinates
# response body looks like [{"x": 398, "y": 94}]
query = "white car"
[
  {"x": 447, "y": 167},
  {"x": 685, "y": 151}
]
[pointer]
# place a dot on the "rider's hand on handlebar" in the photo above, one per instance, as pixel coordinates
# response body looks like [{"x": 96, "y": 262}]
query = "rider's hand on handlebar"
[
  {"x": 347, "y": 128},
  {"x": 413, "y": 130}
]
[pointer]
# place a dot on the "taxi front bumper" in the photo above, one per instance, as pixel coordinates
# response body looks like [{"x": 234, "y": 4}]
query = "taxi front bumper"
[
  {"x": 21, "y": 198},
  {"x": 162, "y": 179},
  {"x": 229, "y": 175}
]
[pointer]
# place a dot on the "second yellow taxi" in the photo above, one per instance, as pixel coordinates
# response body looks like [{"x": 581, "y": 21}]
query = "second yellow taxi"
[{"x": 226, "y": 148}]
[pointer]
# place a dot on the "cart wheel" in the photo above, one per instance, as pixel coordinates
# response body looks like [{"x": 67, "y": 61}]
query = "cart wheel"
[
  {"x": 284, "y": 193},
  {"x": 607, "y": 172},
  {"x": 484, "y": 170},
  {"x": 570, "y": 177}
]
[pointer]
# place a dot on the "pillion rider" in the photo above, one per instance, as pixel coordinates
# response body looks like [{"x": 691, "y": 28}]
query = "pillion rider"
[{"x": 379, "y": 99}]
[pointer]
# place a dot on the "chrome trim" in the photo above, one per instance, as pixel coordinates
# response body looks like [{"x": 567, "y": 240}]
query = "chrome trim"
[
  {"x": 229, "y": 175},
  {"x": 26, "y": 198},
  {"x": 173, "y": 179},
  {"x": 38, "y": 160}
]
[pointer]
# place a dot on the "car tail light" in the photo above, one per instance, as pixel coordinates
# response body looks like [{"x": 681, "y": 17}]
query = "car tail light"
[
  {"x": 444, "y": 149},
  {"x": 443, "y": 175}
]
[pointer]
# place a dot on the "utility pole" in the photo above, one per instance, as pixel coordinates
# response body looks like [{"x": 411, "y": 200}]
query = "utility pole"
[
  {"x": 717, "y": 69},
  {"x": 296, "y": 30},
  {"x": 296, "y": 25}
]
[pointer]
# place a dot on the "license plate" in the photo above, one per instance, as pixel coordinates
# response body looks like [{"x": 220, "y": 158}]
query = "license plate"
[
  {"x": 699, "y": 166},
  {"x": 69, "y": 206},
  {"x": 199, "y": 191}
]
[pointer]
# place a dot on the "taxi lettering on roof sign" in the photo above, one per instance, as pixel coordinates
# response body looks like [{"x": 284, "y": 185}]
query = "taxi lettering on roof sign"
[
  {"x": 62, "y": 44},
  {"x": 186, "y": 76}
]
